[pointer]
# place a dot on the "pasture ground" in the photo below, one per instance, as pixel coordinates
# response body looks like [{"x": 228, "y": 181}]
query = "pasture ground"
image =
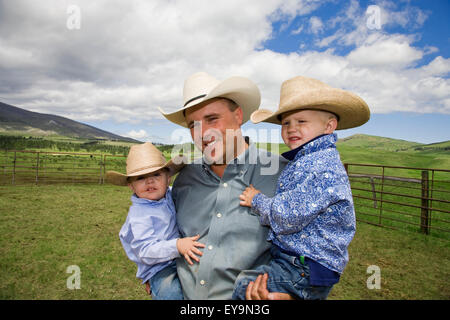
[{"x": 46, "y": 229}]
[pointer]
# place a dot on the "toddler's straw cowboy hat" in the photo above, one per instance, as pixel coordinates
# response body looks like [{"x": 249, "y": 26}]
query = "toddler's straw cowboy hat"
[
  {"x": 201, "y": 86},
  {"x": 301, "y": 93},
  {"x": 142, "y": 159}
]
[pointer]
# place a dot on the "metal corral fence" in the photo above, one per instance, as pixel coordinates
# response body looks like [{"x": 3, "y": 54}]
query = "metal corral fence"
[
  {"x": 25, "y": 167},
  {"x": 389, "y": 196},
  {"x": 402, "y": 197}
]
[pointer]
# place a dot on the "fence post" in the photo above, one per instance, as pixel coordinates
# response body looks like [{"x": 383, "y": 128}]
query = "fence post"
[
  {"x": 37, "y": 167},
  {"x": 104, "y": 169},
  {"x": 424, "y": 225},
  {"x": 381, "y": 197},
  {"x": 14, "y": 168}
]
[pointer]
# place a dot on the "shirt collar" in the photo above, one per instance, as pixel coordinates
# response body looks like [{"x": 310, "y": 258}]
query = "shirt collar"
[{"x": 318, "y": 142}]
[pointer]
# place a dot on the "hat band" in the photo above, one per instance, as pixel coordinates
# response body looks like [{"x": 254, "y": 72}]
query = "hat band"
[
  {"x": 143, "y": 168},
  {"x": 195, "y": 98}
]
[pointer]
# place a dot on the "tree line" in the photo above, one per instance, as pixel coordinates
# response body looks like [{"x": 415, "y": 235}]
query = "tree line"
[{"x": 24, "y": 143}]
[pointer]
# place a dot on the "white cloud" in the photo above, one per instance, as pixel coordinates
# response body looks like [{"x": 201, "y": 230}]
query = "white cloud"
[
  {"x": 298, "y": 30},
  {"x": 385, "y": 51},
  {"x": 315, "y": 25},
  {"x": 138, "y": 135},
  {"x": 129, "y": 58}
]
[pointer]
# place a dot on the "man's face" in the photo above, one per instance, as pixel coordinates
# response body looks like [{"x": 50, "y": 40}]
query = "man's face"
[{"x": 215, "y": 129}]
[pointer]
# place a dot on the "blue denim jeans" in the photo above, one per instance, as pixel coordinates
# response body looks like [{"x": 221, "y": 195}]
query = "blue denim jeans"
[
  {"x": 165, "y": 284},
  {"x": 286, "y": 274}
]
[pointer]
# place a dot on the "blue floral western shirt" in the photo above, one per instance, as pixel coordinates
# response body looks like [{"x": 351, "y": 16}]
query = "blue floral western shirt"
[{"x": 312, "y": 213}]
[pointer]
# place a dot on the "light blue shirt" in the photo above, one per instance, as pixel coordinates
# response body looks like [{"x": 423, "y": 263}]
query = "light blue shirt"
[
  {"x": 209, "y": 205},
  {"x": 149, "y": 234}
]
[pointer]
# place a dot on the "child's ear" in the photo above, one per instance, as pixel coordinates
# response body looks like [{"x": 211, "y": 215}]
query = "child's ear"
[
  {"x": 331, "y": 125},
  {"x": 131, "y": 187}
]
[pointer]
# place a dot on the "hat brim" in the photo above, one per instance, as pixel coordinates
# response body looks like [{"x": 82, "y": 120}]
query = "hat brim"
[
  {"x": 351, "y": 110},
  {"x": 119, "y": 179},
  {"x": 239, "y": 89}
]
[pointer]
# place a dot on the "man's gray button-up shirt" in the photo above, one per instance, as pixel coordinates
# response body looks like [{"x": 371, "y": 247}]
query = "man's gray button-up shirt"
[{"x": 209, "y": 205}]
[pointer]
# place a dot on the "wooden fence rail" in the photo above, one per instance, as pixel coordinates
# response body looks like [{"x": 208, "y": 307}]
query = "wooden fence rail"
[{"x": 389, "y": 196}]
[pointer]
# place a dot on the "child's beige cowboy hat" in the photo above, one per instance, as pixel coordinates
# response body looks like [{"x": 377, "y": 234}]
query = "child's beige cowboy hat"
[
  {"x": 201, "y": 86},
  {"x": 301, "y": 93},
  {"x": 142, "y": 159}
]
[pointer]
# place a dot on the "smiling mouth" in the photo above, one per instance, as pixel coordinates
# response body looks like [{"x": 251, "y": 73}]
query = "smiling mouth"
[
  {"x": 293, "y": 139},
  {"x": 209, "y": 144}
]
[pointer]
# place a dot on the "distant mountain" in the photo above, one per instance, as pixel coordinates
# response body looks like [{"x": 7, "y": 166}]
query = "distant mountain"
[{"x": 34, "y": 123}]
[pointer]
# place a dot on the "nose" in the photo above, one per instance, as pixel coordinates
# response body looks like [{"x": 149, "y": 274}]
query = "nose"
[
  {"x": 150, "y": 179},
  {"x": 291, "y": 127}
]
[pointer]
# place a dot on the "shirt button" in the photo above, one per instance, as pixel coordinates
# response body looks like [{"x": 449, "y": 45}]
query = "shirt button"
[
  {"x": 219, "y": 215},
  {"x": 210, "y": 247},
  {"x": 225, "y": 185},
  {"x": 202, "y": 282}
]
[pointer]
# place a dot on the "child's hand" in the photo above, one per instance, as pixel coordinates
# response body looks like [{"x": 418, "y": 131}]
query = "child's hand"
[
  {"x": 187, "y": 247},
  {"x": 247, "y": 196}
]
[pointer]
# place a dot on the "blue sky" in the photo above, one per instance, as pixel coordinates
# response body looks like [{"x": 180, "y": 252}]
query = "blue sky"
[{"x": 110, "y": 64}]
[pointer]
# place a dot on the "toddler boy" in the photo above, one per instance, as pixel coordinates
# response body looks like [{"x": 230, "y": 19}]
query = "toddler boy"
[
  {"x": 150, "y": 235},
  {"x": 311, "y": 217}
]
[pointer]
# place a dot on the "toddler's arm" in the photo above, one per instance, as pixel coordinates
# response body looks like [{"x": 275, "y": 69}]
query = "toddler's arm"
[
  {"x": 187, "y": 247},
  {"x": 290, "y": 211}
]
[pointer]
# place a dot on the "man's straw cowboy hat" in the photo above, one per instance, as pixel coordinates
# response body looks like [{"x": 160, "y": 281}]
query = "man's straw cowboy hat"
[
  {"x": 201, "y": 86},
  {"x": 142, "y": 159},
  {"x": 301, "y": 93}
]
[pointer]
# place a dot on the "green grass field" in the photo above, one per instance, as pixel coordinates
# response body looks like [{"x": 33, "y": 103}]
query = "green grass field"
[{"x": 45, "y": 229}]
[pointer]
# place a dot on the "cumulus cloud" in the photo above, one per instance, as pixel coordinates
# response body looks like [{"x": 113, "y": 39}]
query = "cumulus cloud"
[
  {"x": 128, "y": 58},
  {"x": 138, "y": 135}
]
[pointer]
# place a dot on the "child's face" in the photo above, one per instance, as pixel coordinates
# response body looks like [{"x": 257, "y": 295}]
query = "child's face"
[
  {"x": 151, "y": 186},
  {"x": 300, "y": 127}
]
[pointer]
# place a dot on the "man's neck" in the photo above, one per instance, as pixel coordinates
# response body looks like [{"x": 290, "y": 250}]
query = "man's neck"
[{"x": 219, "y": 169}]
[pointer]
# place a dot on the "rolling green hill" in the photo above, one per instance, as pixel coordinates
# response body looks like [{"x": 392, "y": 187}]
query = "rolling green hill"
[
  {"x": 367, "y": 149},
  {"x": 377, "y": 143}
]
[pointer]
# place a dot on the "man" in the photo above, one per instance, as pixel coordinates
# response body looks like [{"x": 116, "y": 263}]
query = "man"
[{"x": 206, "y": 193}]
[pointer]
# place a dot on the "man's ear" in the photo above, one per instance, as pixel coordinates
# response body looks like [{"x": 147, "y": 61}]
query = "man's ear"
[
  {"x": 239, "y": 115},
  {"x": 332, "y": 124}
]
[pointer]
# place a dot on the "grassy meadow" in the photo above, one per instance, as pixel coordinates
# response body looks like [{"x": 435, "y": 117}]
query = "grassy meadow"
[{"x": 47, "y": 228}]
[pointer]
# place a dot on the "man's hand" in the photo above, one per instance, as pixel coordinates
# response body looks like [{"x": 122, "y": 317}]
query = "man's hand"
[
  {"x": 258, "y": 290},
  {"x": 148, "y": 289},
  {"x": 187, "y": 247},
  {"x": 247, "y": 196}
]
